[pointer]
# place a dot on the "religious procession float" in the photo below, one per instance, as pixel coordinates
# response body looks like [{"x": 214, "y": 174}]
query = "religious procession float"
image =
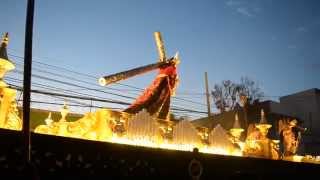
[{"x": 146, "y": 121}]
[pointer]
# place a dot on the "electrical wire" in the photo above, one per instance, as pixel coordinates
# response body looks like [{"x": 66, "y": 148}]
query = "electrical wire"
[{"x": 174, "y": 108}]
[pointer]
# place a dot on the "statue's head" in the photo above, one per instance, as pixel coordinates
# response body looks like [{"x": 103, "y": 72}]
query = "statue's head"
[
  {"x": 168, "y": 70},
  {"x": 293, "y": 123}
]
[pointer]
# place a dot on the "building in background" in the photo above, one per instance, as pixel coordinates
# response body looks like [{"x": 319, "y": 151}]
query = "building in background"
[{"x": 303, "y": 106}]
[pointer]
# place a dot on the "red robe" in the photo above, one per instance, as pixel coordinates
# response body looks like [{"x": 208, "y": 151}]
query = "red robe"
[{"x": 156, "y": 98}]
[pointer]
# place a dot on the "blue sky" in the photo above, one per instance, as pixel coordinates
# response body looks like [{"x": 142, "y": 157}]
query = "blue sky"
[{"x": 276, "y": 43}]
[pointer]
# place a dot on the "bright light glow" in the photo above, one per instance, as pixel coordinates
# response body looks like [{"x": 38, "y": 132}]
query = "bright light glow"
[
  {"x": 145, "y": 131},
  {"x": 297, "y": 158},
  {"x": 146, "y": 142}
]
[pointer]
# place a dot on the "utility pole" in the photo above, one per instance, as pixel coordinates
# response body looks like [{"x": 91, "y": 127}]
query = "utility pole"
[
  {"x": 27, "y": 79},
  {"x": 207, "y": 94}
]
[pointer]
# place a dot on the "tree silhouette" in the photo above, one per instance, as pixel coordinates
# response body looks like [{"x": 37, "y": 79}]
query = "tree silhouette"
[{"x": 227, "y": 95}]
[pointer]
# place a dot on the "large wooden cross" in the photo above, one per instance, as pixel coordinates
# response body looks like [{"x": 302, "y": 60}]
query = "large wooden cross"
[{"x": 113, "y": 78}]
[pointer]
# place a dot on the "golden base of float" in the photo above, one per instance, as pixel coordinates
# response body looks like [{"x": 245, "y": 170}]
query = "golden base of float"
[
  {"x": 139, "y": 130},
  {"x": 145, "y": 130}
]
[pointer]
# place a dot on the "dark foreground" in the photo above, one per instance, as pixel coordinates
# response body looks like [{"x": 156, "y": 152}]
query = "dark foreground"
[{"x": 65, "y": 158}]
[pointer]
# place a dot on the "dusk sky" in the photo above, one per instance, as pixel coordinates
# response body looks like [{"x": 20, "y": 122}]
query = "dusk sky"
[{"x": 274, "y": 42}]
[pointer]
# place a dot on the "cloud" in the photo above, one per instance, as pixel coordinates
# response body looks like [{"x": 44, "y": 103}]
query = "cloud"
[
  {"x": 244, "y": 11},
  {"x": 257, "y": 9},
  {"x": 292, "y": 46},
  {"x": 245, "y": 8},
  {"x": 232, "y": 3},
  {"x": 301, "y": 29}
]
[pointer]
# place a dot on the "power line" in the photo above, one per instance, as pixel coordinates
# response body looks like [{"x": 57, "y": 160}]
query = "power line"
[
  {"x": 70, "y": 96},
  {"x": 91, "y": 76},
  {"x": 48, "y": 87},
  {"x": 72, "y": 84},
  {"x": 93, "y": 99},
  {"x": 72, "y": 105},
  {"x": 74, "y": 79},
  {"x": 74, "y": 72},
  {"x": 85, "y": 88},
  {"x": 95, "y": 78},
  {"x": 37, "y": 84}
]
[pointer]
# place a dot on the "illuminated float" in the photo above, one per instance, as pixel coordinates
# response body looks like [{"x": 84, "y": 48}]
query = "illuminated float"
[{"x": 146, "y": 121}]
